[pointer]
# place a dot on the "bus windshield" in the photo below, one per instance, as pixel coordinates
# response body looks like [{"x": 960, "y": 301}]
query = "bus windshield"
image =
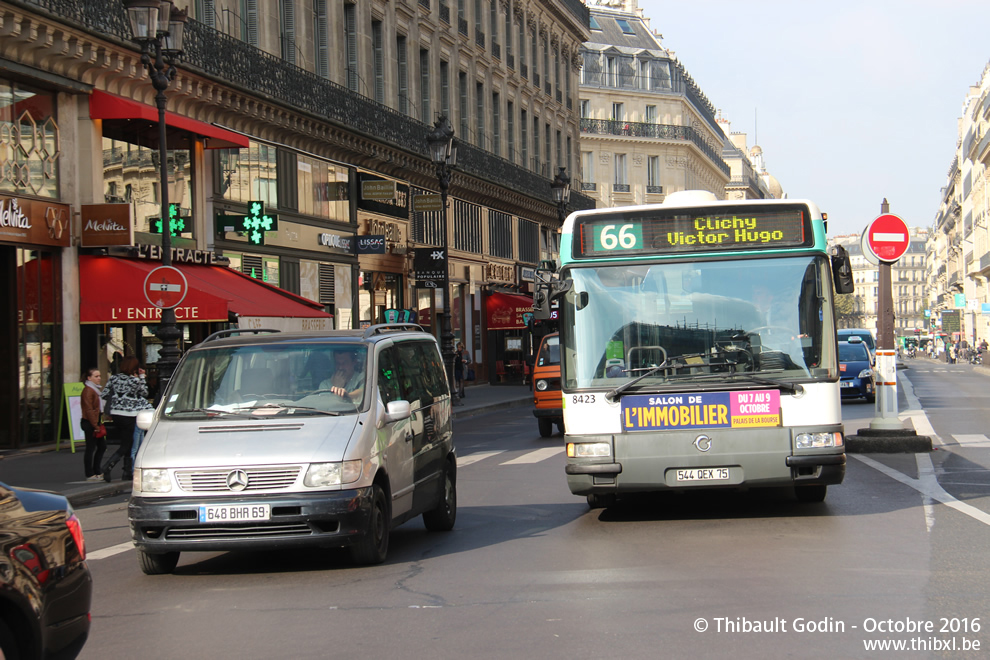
[{"x": 688, "y": 322}]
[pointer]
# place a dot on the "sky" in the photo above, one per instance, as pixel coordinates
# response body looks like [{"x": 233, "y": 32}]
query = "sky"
[{"x": 851, "y": 101}]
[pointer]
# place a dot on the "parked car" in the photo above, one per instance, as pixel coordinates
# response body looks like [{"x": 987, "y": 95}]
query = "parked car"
[
  {"x": 865, "y": 335},
  {"x": 45, "y": 584},
  {"x": 283, "y": 440},
  {"x": 856, "y": 370},
  {"x": 547, "y": 404}
]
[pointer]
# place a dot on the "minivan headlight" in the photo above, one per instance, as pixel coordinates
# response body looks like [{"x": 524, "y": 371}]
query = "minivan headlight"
[
  {"x": 321, "y": 475},
  {"x": 148, "y": 480}
]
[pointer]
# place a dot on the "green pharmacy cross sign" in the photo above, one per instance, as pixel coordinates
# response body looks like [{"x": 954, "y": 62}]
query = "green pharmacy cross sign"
[
  {"x": 176, "y": 222},
  {"x": 253, "y": 225}
]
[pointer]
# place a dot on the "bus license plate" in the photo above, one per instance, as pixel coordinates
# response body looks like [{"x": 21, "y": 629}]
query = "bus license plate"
[
  {"x": 234, "y": 513},
  {"x": 703, "y": 474}
]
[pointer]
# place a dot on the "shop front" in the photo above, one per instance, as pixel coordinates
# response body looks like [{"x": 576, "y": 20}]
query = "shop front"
[
  {"x": 33, "y": 234},
  {"x": 508, "y": 317},
  {"x": 118, "y": 318}
]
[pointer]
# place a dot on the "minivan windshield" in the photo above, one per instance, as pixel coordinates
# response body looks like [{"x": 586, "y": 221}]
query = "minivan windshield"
[{"x": 270, "y": 379}]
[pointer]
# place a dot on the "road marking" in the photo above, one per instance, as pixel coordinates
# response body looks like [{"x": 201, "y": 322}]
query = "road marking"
[
  {"x": 535, "y": 456},
  {"x": 927, "y": 485},
  {"x": 109, "y": 552},
  {"x": 474, "y": 458},
  {"x": 972, "y": 440}
]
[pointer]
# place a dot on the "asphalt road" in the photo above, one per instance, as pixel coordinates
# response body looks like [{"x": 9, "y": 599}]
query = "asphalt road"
[{"x": 530, "y": 571}]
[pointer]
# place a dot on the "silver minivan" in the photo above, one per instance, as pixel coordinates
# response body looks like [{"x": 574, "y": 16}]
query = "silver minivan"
[{"x": 285, "y": 440}]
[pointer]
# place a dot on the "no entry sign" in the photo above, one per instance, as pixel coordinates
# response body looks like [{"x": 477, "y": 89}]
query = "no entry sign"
[
  {"x": 888, "y": 237},
  {"x": 165, "y": 287}
]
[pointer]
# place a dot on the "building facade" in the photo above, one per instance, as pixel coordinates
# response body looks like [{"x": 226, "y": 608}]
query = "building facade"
[
  {"x": 646, "y": 127},
  {"x": 959, "y": 245},
  {"x": 296, "y": 131}
]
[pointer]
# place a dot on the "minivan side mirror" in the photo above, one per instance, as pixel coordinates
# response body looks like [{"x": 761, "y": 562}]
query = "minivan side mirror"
[
  {"x": 144, "y": 419},
  {"x": 396, "y": 411}
]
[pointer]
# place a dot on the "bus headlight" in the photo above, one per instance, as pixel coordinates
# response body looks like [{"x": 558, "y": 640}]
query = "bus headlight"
[
  {"x": 589, "y": 450},
  {"x": 542, "y": 385},
  {"x": 817, "y": 440},
  {"x": 151, "y": 481}
]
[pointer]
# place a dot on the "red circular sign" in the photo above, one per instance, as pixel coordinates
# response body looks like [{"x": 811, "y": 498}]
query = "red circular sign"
[
  {"x": 165, "y": 287},
  {"x": 888, "y": 237}
]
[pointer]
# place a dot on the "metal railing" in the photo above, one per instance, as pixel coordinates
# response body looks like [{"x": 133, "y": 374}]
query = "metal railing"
[{"x": 654, "y": 131}]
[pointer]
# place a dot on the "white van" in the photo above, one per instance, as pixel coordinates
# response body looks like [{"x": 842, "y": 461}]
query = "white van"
[{"x": 283, "y": 440}]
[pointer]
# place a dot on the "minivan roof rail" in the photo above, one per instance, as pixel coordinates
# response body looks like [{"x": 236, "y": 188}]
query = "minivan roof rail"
[
  {"x": 382, "y": 328},
  {"x": 235, "y": 331}
]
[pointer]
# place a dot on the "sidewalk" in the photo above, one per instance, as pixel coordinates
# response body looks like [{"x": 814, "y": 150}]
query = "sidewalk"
[{"x": 62, "y": 471}]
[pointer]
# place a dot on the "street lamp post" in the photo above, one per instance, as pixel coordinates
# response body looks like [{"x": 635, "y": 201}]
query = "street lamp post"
[
  {"x": 443, "y": 151},
  {"x": 158, "y": 28},
  {"x": 561, "y": 189}
]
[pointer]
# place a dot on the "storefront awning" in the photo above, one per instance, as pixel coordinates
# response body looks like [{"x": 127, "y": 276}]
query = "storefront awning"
[
  {"x": 135, "y": 122},
  {"x": 112, "y": 292},
  {"x": 506, "y": 311}
]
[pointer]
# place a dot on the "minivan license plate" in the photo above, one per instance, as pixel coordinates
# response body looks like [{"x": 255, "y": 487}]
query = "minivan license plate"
[
  {"x": 234, "y": 513},
  {"x": 703, "y": 474}
]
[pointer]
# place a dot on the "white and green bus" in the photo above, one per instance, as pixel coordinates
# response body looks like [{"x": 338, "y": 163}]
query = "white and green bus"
[{"x": 698, "y": 347}]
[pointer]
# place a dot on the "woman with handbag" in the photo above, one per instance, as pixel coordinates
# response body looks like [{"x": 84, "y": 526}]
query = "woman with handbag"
[
  {"x": 95, "y": 432},
  {"x": 127, "y": 393}
]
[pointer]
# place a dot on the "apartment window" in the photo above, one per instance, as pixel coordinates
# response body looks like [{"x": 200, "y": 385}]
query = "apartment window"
[
  {"x": 653, "y": 173},
  {"x": 511, "y": 129},
  {"x": 321, "y": 41},
  {"x": 508, "y": 32},
  {"x": 536, "y": 145},
  {"x": 463, "y": 91},
  {"x": 620, "y": 169},
  {"x": 522, "y": 49},
  {"x": 585, "y": 109},
  {"x": 524, "y": 137},
  {"x": 424, "y": 85},
  {"x": 593, "y": 23},
  {"x": 644, "y": 75},
  {"x": 444, "y": 90},
  {"x": 651, "y": 114},
  {"x": 287, "y": 17},
  {"x": 350, "y": 38},
  {"x": 546, "y": 60},
  {"x": 493, "y": 19},
  {"x": 567, "y": 82},
  {"x": 249, "y": 26},
  {"x": 588, "y": 170},
  {"x": 611, "y": 72},
  {"x": 379, "y": 50},
  {"x": 402, "y": 73},
  {"x": 479, "y": 109},
  {"x": 559, "y": 147},
  {"x": 618, "y": 112},
  {"x": 534, "y": 44},
  {"x": 496, "y": 125},
  {"x": 567, "y": 155},
  {"x": 547, "y": 142},
  {"x": 624, "y": 26}
]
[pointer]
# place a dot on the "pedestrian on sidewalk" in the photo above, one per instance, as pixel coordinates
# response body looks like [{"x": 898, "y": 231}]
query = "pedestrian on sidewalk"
[
  {"x": 127, "y": 393},
  {"x": 460, "y": 365},
  {"x": 91, "y": 405}
]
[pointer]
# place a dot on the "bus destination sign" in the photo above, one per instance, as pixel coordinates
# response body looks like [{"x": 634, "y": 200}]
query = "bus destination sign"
[{"x": 703, "y": 230}]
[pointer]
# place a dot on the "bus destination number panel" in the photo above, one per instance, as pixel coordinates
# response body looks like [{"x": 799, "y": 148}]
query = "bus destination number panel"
[{"x": 695, "y": 230}]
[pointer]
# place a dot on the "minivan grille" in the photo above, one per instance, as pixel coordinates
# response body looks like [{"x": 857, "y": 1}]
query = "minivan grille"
[
  {"x": 252, "y": 531},
  {"x": 215, "y": 480}
]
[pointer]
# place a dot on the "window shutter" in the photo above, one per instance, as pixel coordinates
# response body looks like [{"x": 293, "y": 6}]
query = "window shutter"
[
  {"x": 326, "y": 284},
  {"x": 251, "y": 266},
  {"x": 350, "y": 30},
  {"x": 322, "y": 45},
  {"x": 289, "y": 31},
  {"x": 251, "y": 19}
]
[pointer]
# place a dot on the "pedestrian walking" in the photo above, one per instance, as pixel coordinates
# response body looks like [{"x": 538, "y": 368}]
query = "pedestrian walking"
[
  {"x": 126, "y": 393},
  {"x": 92, "y": 425},
  {"x": 460, "y": 366}
]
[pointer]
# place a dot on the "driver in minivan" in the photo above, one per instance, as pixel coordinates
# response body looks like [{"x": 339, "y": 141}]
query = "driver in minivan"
[{"x": 347, "y": 380}]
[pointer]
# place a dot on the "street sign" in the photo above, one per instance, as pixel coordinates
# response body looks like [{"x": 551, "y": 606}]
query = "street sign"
[
  {"x": 165, "y": 287},
  {"x": 888, "y": 237}
]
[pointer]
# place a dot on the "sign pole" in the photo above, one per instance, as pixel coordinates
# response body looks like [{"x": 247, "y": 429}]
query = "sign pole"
[{"x": 885, "y": 411}]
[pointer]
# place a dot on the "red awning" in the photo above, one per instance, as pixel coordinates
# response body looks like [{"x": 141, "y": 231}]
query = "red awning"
[
  {"x": 506, "y": 311},
  {"x": 112, "y": 291},
  {"x": 136, "y": 122}
]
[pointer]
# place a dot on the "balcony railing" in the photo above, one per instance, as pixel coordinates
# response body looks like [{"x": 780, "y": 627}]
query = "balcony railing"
[
  {"x": 510, "y": 59},
  {"x": 496, "y": 50},
  {"x": 232, "y": 62},
  {"x": 445, "y": 13},
  {"x": 654, "y": 190},
  {"x": 479, "y": 37},
  {"x": 462, "y": 26},
  {"x": 620, "y": 187},
  {"x": 588, "y": 185},
  {"x": 654, "y": 131}
]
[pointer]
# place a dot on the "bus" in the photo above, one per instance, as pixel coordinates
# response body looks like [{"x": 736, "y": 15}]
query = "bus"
[{"x": 698, "y": 347}]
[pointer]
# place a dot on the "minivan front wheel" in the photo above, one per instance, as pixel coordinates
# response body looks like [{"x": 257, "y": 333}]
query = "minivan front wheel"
[
  {"x": 161, "y": 564},
  {"x": 372, "y": 547},
  {"x": 441, "y": 518}
]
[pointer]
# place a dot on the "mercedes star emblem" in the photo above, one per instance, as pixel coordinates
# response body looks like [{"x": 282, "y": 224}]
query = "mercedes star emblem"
[{"x": 237, "y": 480}]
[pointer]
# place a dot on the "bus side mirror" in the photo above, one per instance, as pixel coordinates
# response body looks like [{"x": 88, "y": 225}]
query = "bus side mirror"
[
  {"x": 546, "y": 291},
  {"x": 842, "y": 274}
]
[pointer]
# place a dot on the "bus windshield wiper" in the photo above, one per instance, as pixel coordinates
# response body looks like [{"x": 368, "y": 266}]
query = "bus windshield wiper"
[
  {"x": 612, "y": 394},
  {"x": 784, "y": 386}
]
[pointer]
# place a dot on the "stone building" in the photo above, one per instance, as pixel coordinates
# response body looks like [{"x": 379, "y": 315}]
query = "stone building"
[{"x": 311, "y": 113}]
